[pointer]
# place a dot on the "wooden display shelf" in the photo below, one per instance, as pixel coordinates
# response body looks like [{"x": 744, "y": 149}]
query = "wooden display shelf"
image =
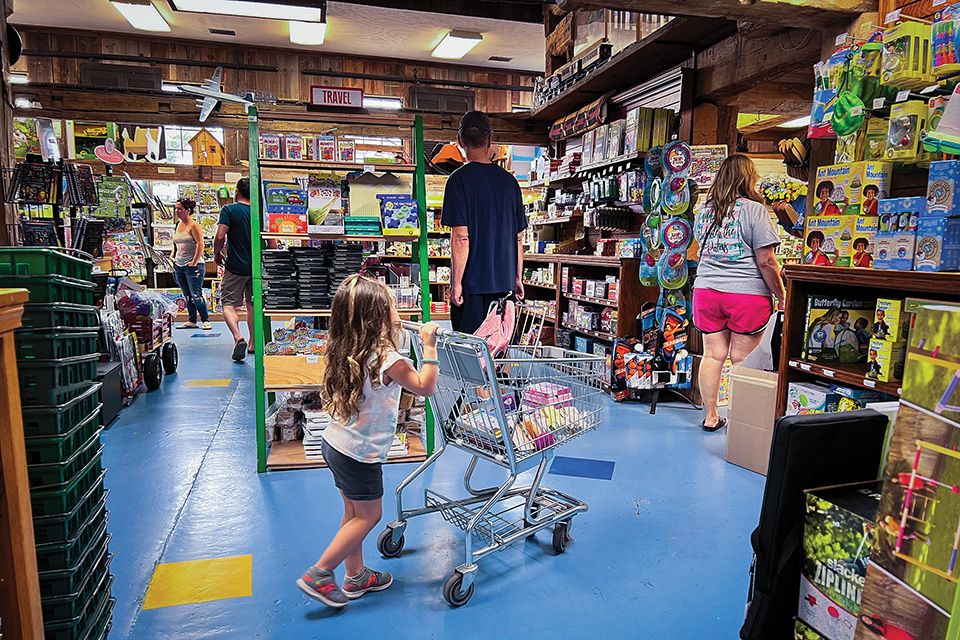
[
  {"x": 662, "y": 50},
  {"x": 541, "y": 285},
  {"x": 583, "y": 261},
  {"x": 289, "y": 455},
  {"x": 602, "y": 301},
  {"x": 621, "y": 159},
  {"x": 540, "y": 223},
  {"x": 806, "y": 280},
  {"x": 312, "y": 165},
  {"x": 851, "y": 374},
  {"x": 609, "y": 337},
  {"x": 410, "y": 257}
]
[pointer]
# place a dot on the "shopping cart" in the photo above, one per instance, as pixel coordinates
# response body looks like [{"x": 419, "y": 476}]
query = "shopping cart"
[{"x": 513, "y": 412}]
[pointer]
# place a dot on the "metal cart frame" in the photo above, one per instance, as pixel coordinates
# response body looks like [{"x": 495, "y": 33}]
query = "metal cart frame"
[{"x": 513, "y": 412}]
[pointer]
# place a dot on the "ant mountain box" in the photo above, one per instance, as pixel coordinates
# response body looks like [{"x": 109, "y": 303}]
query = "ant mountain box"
[
  {"x": 851, "y": 189},
  {"x": 840, "y": 240},
  {"x": 837, "y": 329},
  {"x": 838, "y": 532}
]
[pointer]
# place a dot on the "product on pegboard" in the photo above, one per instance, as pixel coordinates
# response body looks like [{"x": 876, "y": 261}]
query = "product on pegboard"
[
  {"x": 938, "y": 245},
  {"x": 875, "y": 139},
  {"x": 907, "y": 122},
  {"x": 837, "y": 329},
  {"x": 906, "y": 56}
]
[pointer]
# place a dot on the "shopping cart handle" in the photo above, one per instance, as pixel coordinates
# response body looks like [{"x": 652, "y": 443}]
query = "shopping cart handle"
[{"x": 415, "y": 326}]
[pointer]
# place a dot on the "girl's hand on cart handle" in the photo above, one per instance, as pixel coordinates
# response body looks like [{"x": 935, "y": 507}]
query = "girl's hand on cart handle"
[{"x": 428, "y": 333}]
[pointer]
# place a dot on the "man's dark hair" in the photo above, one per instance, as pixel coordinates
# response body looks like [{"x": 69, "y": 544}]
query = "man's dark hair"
[
  {"x": 243, "y": 187},
  {"x": 475, "y": 129}
]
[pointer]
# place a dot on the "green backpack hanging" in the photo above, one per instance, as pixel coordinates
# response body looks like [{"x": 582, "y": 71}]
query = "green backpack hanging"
[{"x": 848, "y": 114}]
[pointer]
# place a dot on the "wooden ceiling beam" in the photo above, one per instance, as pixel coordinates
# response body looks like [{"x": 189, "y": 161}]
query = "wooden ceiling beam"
[
  {"x": 525, "y": 11},
  {"x": 789, "y": 13},
  {"x": 787, "y": 99}
]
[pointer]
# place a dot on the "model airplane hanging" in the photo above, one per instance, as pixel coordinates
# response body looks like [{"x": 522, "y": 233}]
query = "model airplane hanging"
[{"x": 211, "y": 94}]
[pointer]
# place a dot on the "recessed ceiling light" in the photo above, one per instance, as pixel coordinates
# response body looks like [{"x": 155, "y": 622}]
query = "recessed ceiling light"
[
  {"x": 796, "y": 122},
  {"x": 18, "y": 78},
  {"x": 457, "y": 44},
  {"x": 308, "y": 33},
  {"x": 303, "y": 10},
  {"x": 141, "y": 14}
]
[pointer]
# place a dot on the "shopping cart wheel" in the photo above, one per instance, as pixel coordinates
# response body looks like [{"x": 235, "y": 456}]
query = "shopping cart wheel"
[
  {"x": 453, "y": 593},
  {"x": 561, "y": 536},
  {"x": 386, "y": 546},
  {"x": 170, "y": 357},
  {"x": 152, "y": 371}
]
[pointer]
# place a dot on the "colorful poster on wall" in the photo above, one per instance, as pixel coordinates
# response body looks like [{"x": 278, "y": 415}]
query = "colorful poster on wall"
[
  {"x": 706, "y": 163},
  {"x": 25, "y": 138}
]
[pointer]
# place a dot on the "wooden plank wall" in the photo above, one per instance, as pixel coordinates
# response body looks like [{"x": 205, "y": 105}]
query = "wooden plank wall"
[
  {"x": 288, "y": 83},
  {"x": 916, "y": 8}
]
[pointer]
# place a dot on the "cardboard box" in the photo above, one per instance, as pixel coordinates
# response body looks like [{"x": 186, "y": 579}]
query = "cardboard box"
[
  {"x": 938, "y": 245},
  {"x": 590, "y": 289},
  {"x": 837, "y": 329},
  {"x": 942, "y": 200},
  {"x": 885, "y": 361},
  {"x": 613, "y": 291},
  {"x": 750, "y": 417},
  {"x": 287, "y": 223},
  {"x": 890, "y": 321},
  {"x": 858, "y": 185},
  {"x": 565, "y": 278},
  {"x": 840, "y": 240},
  {"x": 838, "y": 532},
  {"x": 810, "y": 397}
]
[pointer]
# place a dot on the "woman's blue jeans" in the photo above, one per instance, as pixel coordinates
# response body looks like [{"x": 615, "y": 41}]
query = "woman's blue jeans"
[{"x": 190, "y": 280}]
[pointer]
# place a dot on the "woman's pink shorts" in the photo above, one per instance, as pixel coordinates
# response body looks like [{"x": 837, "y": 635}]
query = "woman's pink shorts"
[{"x": 742, "y": 313}]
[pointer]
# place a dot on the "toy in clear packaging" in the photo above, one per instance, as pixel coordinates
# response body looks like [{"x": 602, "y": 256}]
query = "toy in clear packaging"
[
  {"x": 876, "y": 139},
  {"x": 944, "y": 35},
  {"x": 906, "y": 56},
  {"x": 907, "y": 120}
]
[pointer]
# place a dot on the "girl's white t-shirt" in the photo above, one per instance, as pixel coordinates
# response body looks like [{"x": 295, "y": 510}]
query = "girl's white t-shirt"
[{"x": 367, "y": 437}]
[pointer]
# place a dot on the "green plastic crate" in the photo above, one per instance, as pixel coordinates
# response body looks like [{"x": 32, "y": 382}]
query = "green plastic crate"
[
  {"x": 64, "y": 372},
  {"x": 63, "y": 608},
  {"x": 49, "y": 476},
  {"x": 46, "y": 396},
  {"x": 61, "y": 556},
  {"x": 56, "y": 449},
  {"x": 46, "y": 344},
  {"x": 81, "y": 626},
  {"x": 59, "y": 314},
  {"x": 56, "y": 529},
  {"x": 63, "y": 498},
  {"x": 55, "y": 584},
  {"x": 43, "y": 262},
  {"x": 51, "y": 288},
  {"x": 104, "y": 622},
  {"x": 57, "y": 419}
]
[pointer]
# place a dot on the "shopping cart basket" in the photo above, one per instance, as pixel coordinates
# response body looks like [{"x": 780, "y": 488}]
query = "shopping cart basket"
[{"x": 513, "y": 412}]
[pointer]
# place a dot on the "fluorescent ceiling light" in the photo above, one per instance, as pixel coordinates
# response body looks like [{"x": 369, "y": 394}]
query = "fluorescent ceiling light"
[
  {"x": 18, "y": 78},
  {"x": 141, "y": 15},
  {"x": 170, "y": 88},
  {"x": 308, "y": 33},
  {"x": 376, "y": 102},
  {"x": 22, "y": 103},
  {"x": 457, "y": 44},
  {"x": 796, "y": 122},
  {"x": 249, "y": 9}
]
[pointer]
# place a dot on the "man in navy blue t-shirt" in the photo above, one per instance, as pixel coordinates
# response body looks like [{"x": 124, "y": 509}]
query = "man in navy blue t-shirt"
[{"x": 484, "y": 205}]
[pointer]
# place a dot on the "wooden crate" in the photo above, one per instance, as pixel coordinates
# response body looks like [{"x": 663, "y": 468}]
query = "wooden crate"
[{"x": 292, "y": 371}]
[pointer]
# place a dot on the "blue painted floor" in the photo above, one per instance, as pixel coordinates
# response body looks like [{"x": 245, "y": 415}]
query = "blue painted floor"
[{"x": 663, "y": 551}]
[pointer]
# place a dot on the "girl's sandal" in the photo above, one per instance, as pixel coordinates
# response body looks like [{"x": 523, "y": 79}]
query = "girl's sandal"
[{"x": 188, "y": 325}]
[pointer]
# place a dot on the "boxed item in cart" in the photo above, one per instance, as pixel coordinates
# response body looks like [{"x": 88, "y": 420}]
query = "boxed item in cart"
[
  {"x": 838, "y": 533},
  {"x": 942, "y": 199},
  {"x": 810, "y": 397},
  {"x": 938, "y": 245},
  {"x": 544, "y": 394},
  {"x": 885, "y": 361}
]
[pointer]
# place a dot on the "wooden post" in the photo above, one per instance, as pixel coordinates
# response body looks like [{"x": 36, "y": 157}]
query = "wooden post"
[{"x": 19, "y": 584}]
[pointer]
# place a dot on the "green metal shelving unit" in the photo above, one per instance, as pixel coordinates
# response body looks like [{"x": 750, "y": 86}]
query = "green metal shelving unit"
[{"x": 262, "y": 323}]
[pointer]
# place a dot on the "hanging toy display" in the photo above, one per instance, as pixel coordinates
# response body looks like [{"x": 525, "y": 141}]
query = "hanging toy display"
[
  {"x": 652, "y": 167},
  {"x": 672, "y": 269},
  {"x": 677, "y": 158}
]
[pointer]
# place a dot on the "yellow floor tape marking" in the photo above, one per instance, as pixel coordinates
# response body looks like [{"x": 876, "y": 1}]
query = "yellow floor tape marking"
[
  {"x": 195, "y": 581},
  {"x": 209, "y": 382}
]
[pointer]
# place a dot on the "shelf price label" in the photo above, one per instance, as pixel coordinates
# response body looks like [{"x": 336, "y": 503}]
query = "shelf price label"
[
  {"x": 805, "y": 367},
  {"x": 369, "y": 168},
  {"x": 313, "y": 359},
  {"x": 842, "y": 38},
  {"x": 828, "y": 372},
  {"x": 893, "y": 16},
  {"x": 879, "y": 102},
  {"x": 869, "y": 383},
  {"x": 857, "y": 110},
  {"x": 903, "y": 95}
]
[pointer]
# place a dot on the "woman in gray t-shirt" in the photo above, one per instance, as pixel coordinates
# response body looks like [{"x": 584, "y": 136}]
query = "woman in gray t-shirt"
[{"x": 737, "y": 274}]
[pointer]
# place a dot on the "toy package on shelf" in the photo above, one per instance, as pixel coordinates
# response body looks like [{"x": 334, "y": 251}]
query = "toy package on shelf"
[
  {"x": 837, "y": 329},
  {"x": 324, "y": 204},
  {"x": 208, "y": 199},
  {"x": 942, "y": 198},
  {"x": 875, "y": 139},
  {"x": 885, "y": 360},
  {"x": 298, "y": 341},
  {"x": 890, "y": 321},
  {"x": 285, "y": 206},
  {"x": 897, "y": 233},
  {"x": 400, "y": 214},
  {"x": 943, "y": 41},
  {"x": 938, "y": 244},
  {"x": 840, "y": 240},
  {"x": 851, "y": 189},
  {"x": 293, "y": 146},
  {"x": 907, "y": 121},
  {"x": 810, "y": 397},
  {"x": 270, "y": 146},
  {"x": 347, "y": 150},
  {"x": 906, "y": 56},
  {"x": 326, "y": 148}
]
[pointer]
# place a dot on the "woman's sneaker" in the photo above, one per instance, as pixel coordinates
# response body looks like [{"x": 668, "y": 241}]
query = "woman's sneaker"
[
  {"x": 368, "y": 580},
  {"x": 321, "y": 585}
]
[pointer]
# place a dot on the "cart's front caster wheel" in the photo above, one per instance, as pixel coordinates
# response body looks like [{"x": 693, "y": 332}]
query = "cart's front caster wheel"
[
  {"x": 152, "y": 371},
  {"x": 387, "y": 547},
  {"x": 170, "y": 357},
  {"x": 561, "y": 536},
  {"x": 453, "y": 592}
]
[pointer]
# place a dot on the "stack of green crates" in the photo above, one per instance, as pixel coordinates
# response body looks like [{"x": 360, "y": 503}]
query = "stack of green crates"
[{"x": 57, "y": 354}]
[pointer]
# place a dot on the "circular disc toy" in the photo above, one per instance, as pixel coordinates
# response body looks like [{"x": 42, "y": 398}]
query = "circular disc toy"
[{"x": 677, "y": 156}]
